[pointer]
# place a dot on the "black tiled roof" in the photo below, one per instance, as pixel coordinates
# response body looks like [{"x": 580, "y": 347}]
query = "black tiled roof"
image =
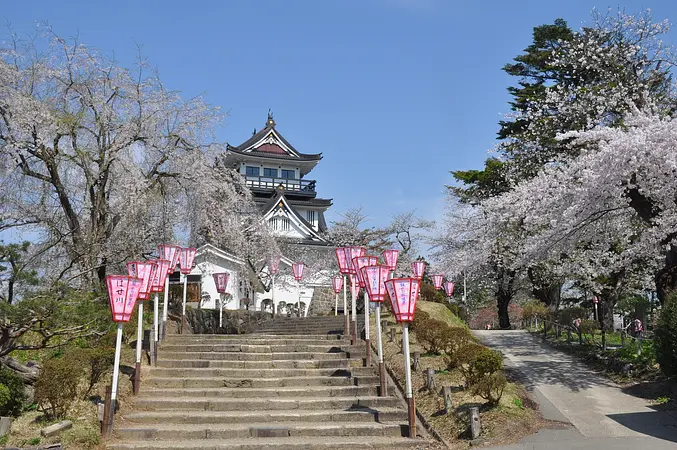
[{"x": 270, "y": 125}]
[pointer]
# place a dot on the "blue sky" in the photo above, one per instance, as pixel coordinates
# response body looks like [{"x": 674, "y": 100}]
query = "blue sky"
[{"x": 394, "y": 93}]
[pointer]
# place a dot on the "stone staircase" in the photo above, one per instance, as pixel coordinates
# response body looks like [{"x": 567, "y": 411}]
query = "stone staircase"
[{"x": 297, "y": 384}]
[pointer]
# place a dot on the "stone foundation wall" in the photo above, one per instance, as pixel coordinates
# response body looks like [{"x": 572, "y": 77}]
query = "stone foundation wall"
[{"x": 322, "y": 303}]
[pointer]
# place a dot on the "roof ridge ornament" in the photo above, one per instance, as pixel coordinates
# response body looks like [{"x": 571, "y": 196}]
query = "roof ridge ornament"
[{"x": 270, "y": 122}]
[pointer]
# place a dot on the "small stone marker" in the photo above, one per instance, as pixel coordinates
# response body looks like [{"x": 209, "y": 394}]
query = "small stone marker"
[
  {"x": 475, "y": 426},
  {"x": 56, "y": 428},
  {"x": 5, "y": 425},
  {"x": 99, "y": 411},
  {"x": 446, "y": 395},
  {"x": 417, "y": 361},
  {"x": 430, "y": 379}
]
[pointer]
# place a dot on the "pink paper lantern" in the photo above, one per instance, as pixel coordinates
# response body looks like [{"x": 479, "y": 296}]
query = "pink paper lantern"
[
  {"x": 449, "y": 288},
  {"x": 595, "y": 300},
  {"x": 274, "y": 265},
  {"x": 390, "y": 258},
  {"x": 146, "y": 271},
  {"x": 171, "y": 253},
  {"x": 123, "y": 291},
  {"x": 418, "y": 267},
  {"x": 221, "y": 281},
  {"x": 158, "y": 280},
  {"x": 186, "y": 260},
  {"x": 375, "y": 277},
  {"x": 337, "y": 283},
  {"x": 298, "y": 270},
  {"x": 352, "y": 253},
  {"x": 343, "y": 259},
  {"x": 403, "y": 293},
  {"x": 359, "y": 263},
  {"x": 437, "y": 280}
]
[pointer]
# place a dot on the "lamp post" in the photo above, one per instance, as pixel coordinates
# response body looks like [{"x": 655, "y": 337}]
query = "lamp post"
[
  {"x": 418, "y": 267},
  {"x": 358, "y": 263},
  {"x": 123, "y": 291},
  {"x": 186, "y": 265},
  {"x": 337, "y": 284},
  {"x": 595, "y": 301},
  {"x": 157, "y": 285},
  {"x": 297, "y": 268},
  {"x": 146, "y": 271},
  {"x": 273, "y": 269},
  {"x": 342, "y": 255},
  {"x": 351, "y": 253},
  {"x": 437, "y": 281},
  {"x": 449, "y": 288},
  {"x": 375, "y": 277},
  {"x": 221, "y": 282},
  {"x": 403, "y": 293},
  {"x": 390, "y": 258},
  {"x": 171, "y": 253}
]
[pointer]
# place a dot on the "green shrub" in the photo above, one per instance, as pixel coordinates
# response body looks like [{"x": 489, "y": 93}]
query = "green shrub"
[
  {"x": 589, "y": 327},
  {"x": 476, "y": 361},
  {"x": 419, "y": 318},
  {"x": 57, "y": 385},
  {"x": 490, "y": 387},
  {"x": 535, "y": 310},
  {"x": 665, "y": 339},
  {"x": 5, "y": 395},
  {"x": 454, "y": 339},
  {"x": 431, "y": 335},
  {"x": 95, "y": 361},
  {"x": 17, "y": 395},
  {"x": 568, "y": 315}
]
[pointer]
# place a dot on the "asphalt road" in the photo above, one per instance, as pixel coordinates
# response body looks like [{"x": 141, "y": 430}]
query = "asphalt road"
[{"x": 602, "y": 415}]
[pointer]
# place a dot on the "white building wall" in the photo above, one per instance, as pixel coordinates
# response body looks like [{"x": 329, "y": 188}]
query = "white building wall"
[{"x": 208, "y": 264}]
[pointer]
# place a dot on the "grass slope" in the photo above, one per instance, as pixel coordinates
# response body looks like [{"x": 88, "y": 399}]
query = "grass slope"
[{"x": 439, "y": 311}]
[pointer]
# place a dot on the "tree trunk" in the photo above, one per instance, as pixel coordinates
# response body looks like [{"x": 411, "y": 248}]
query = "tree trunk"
[
  {"x": 545, "y": 288},
  {"x": 503, "y": 317},
  {"x": 666, "y": 277},
  {"x": 27, "y": 374}
]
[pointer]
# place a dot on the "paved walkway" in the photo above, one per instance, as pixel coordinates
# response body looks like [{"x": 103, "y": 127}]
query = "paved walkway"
[{"x": 603, "y": 416}]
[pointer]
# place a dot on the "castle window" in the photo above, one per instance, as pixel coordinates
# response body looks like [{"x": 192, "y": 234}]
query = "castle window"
[
  {"x": 288, "y": 174},
  {"x": 280, "y": 223},
  {"x": 310, "y": 216},
  {"x": 252, "y": 171},
  {"x": 269, "y": 172}
]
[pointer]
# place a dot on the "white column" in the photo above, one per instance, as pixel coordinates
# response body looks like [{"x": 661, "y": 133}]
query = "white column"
[
  {"x": 156, "y": 316},
  {"x": 379, "y": 340},
  {"x": 366, "y": 317},
  {"x": 221, "y": 296},
  {"x": 185, "y": 289},
  {"x": 336, "y": 304},
  {"x": 165, "y": 307},
  {"x": 139, "y": 332},
  {"x": 407, "y": 361},
  {"x": 116, "y": 365}
]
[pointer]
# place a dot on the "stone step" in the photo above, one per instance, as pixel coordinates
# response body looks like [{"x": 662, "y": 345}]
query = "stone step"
[
  {"x": 249, "y": 416},
  {"x": 237, "y": 404},
  {"x": 284, "y": 443},
  {"x": 276, "y": 364},
  {"x": 313, "y": 348},
  {"x": 246, "y": 373},
  {"x": 239, "y": 356},
  {"x": 173, "y": 431},
  {"x": 216, "y": 382},
  {"x": 173, "y": 338},
  {"x": 271, "y": 391}
]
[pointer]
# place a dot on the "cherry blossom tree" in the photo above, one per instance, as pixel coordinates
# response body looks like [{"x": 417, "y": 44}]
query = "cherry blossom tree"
[{"x": 103, "y": 162}]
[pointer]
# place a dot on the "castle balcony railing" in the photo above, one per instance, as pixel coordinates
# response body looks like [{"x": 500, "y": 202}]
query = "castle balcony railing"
[{"x": 298, "y": 187}]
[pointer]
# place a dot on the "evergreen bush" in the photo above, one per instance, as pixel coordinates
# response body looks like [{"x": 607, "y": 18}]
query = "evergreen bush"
[
  {"x": 13, "y": 386},
  {"x": 665, "y": 338}
]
